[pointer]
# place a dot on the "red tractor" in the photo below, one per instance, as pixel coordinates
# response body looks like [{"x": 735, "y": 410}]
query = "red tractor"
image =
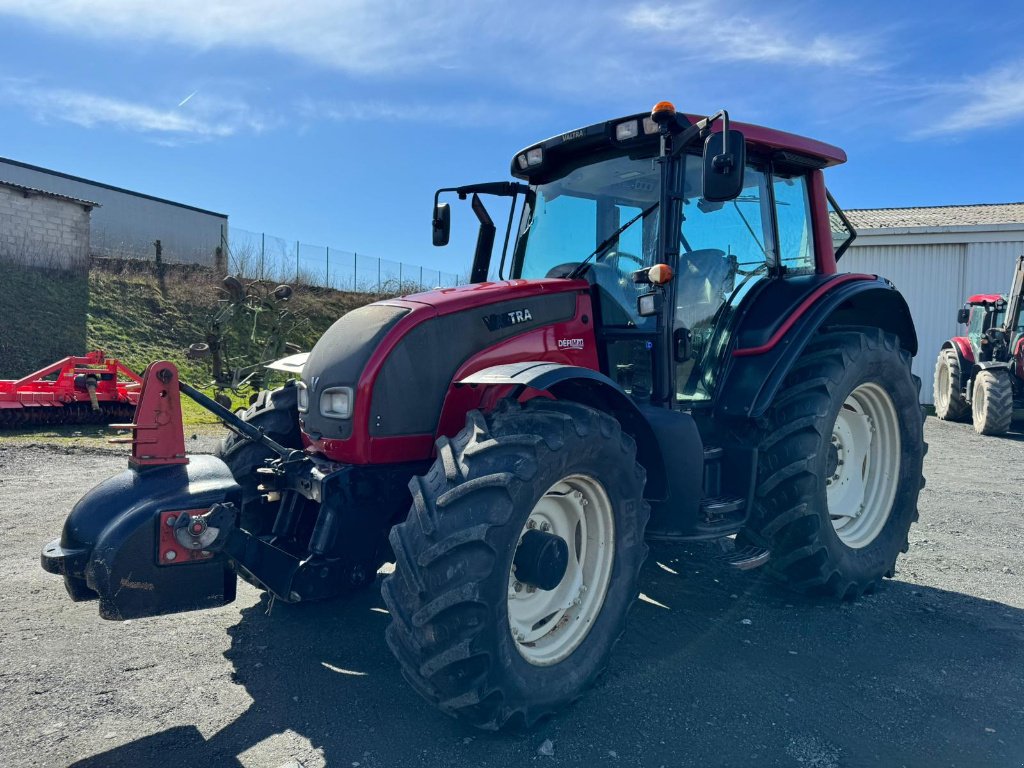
[
  {"x": 982, "y": 374},
  {"x": 669, "y": 354}
]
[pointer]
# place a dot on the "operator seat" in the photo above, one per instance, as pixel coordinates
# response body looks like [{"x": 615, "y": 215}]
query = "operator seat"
[{"x": 704, "y": 281}]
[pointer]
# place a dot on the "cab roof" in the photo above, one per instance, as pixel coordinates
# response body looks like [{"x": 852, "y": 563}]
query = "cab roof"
[
  {"x": 986, "y": 298},
  {"x": 795, "y": 149}
]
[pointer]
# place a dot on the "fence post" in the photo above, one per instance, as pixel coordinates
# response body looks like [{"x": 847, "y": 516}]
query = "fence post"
[
  {"x": 421, "y": 278},
  {"x": 327, "y": 279},
  {"x": 296, "y": 262},
  {"x": 400, "y": 277},
  {"x": 355, "y": 271},
  {"x": 263, "y": 251},
  {"x": 378, "y": 275}
]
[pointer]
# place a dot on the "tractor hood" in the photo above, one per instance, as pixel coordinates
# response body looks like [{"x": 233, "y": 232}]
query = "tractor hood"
[{"x": 391, "y": 363}]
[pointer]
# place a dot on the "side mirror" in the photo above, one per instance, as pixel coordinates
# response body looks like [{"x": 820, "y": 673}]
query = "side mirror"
[
  {"x": 725, "y": 159},
  {"x": 963, "y": 315},
  {"x": 442, "y": 224}
]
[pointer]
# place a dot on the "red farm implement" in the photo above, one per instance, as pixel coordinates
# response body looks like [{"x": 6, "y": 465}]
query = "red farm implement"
[{"x": 89, "y": 389}]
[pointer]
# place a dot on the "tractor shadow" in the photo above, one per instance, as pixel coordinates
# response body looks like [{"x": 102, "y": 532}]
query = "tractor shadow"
[{"x": 716, "y": 667}]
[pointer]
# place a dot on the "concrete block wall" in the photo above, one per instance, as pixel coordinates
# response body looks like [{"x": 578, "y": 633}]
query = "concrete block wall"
[{"x": 41, "y": 230}]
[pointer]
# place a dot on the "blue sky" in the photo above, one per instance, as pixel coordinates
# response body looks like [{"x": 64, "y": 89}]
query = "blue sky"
[{"x": 333, "y": 122}]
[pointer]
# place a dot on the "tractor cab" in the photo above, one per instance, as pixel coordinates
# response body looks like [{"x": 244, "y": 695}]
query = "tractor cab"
[
  {"x": 673, "y": 226},
  {"x": 984, "y": 315}
]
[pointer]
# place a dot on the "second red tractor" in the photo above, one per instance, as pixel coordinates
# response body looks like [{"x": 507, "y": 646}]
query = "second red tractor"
[{"x": 981, "y": 375}]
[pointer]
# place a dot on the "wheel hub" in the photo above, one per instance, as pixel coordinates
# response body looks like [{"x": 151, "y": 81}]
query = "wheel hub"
[{"x": 541, "y": 560}]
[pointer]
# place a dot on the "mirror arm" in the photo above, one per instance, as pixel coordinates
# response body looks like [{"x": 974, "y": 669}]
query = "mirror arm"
[
  {"x": 699, "y": 130},
  {"x": 508, "y": 232},
  {"x": 484, "y": 242}
]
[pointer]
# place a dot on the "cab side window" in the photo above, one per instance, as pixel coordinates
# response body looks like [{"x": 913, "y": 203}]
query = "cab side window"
[{"x": 793, "y": 211}]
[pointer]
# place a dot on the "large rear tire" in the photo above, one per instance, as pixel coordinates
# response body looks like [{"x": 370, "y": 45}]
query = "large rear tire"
[
  {"x": 950, "y": 404},
  {"x": 992, "y": 401},
  {"x": 839, "y": 468},
  {"x": 471, "y": 637}
]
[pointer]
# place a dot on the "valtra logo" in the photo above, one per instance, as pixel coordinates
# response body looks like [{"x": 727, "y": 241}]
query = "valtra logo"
[{"x": 505, "y": 319}]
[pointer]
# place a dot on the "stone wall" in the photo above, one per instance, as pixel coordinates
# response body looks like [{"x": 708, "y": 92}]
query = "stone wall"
[{"x": 39, "y": 230}]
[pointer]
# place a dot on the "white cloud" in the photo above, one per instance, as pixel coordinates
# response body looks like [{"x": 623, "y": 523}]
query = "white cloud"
[
  {"x": 991, "y": 100},
  {"x": 204, "y": 118},
  {"x": 360, "y": 36},
  {"x": 466, "y": 113},
  {"x": 723, "y": 35},
  {"x": 529, "y": 38}
]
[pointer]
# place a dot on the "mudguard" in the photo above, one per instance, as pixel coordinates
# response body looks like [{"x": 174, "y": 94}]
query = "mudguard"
[
  {"x": 963, "y": 349},
  {"x": 779, "y": 320},
  {"x": 593, "y": 388}
]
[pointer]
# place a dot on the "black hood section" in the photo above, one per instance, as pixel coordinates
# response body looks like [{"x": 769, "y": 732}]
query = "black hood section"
[
  {"x": 410, "y": 389},
  {"x": 338, "y": 360}
]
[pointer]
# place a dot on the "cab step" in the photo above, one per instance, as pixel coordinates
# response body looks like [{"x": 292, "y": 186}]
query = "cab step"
[
  {"x": 743, "y": 558},
  {"x": 717, "y": 507}
]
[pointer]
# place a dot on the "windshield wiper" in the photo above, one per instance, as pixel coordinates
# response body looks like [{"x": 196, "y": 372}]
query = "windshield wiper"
[{"x": 609, "y": 241}]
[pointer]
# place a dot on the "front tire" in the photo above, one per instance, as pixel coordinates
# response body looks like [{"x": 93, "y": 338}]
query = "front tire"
[
  {"x": 948, "y": 394},
  {"x": 992, "y": 402},
  {"x": 470, "y": 637},
  {"x": 276, "y": 413},
  {"x": 840, "y": 461}
]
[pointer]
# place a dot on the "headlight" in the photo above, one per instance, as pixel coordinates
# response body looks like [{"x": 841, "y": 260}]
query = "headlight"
[
  {"x": 336, "y": 402},
  {"x": 302, "y": 395}
]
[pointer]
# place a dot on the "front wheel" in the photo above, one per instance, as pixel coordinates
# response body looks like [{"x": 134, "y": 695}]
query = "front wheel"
[
  {"x": 992, "y": 401},
  {"x": 950, "y": 404},
  {"x": 840, "y": 461},
  {"x": 518, "y": 563}
]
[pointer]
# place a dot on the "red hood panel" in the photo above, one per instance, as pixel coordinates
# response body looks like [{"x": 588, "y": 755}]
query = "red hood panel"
[{"x": 446, "y": 300}]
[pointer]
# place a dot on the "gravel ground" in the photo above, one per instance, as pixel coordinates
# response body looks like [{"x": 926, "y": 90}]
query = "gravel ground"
[{"x": 716, "y": 668}]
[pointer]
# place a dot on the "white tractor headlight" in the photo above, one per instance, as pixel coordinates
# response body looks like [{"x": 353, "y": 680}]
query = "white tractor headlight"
[
  {"x": 302, "y": 396},
  {"x": 336, "y": 402}
]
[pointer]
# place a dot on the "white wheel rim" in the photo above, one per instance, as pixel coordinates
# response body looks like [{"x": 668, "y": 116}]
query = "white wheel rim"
[
  {"x": 547, "y": 626},
  {"x": 865, "y": 459},
  {"x": 942, "y": 390}
]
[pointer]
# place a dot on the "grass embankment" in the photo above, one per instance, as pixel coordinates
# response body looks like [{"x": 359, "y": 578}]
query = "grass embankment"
[{"x": 134, "y": 314}]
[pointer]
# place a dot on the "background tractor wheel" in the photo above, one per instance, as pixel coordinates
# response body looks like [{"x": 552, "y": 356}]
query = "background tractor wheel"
[
  {"x": 839, "y": 468},
  {"x": 950, "y": 404},
  {"x": 992, "y": 402},
  {"x": 518, "y": 562},
  {"x": 276, "y": 413}
]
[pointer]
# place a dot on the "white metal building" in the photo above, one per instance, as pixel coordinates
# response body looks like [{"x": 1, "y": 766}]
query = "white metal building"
[
  {"x": 127, "y": 223},
  {"x": 937, "y": 257}
]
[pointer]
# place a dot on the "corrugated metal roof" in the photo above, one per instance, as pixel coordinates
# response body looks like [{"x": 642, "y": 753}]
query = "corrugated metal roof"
[
  {"x": 937, "y": 216},
  {"x": 102, "y": 185},
  {"x": 57, "y": 195}
]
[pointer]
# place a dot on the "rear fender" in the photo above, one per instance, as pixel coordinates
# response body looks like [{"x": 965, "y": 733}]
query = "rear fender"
[
  {"x": 589, "y": 387},
  {"x": 780, "y": 321},
  {"x": 963, "y": 348}
]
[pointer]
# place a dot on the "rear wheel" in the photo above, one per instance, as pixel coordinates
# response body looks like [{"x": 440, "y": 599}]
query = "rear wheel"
[
  {"x": 518, "y": 563},
  {"x": 839, "y": 469},
  {"x": 992, "y": 402},
  {"x": 950, "y": 404}
]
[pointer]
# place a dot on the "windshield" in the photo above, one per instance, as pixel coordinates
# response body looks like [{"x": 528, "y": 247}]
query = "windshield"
[{"x": 566, "y": 219}]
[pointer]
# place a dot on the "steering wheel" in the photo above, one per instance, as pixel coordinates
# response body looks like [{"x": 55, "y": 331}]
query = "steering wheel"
[{"x": 615, "y": 256}]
